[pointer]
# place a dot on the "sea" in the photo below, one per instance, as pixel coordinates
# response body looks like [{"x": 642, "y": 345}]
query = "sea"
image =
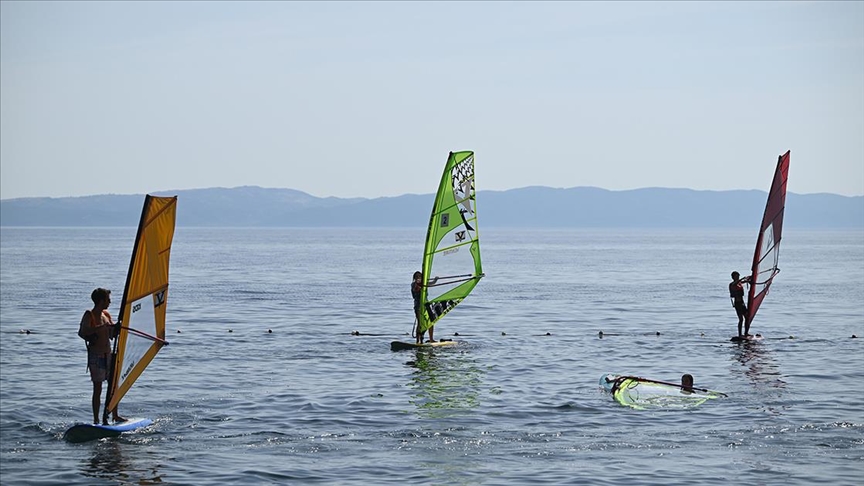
[{"x": 279, "y": 368}]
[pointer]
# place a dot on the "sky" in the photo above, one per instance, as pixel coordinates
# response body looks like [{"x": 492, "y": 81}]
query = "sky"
[{"x": 366, "y": 99}]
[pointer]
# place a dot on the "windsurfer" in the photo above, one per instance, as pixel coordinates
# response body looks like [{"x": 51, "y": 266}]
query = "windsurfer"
[
  {"x": 416, "y": 287},
  {"x": 99, "y": 327},
  {"x": 687, "y": 383},
  {"x": 736, "y": 293}
]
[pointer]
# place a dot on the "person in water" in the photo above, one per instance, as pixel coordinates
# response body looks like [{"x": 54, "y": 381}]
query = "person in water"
[
  {"x": 98, "y": 326},
  {"x": 736, "y": 293},
  {"x": 687, "y": 383},
  {"x": 416, "y": 287}
]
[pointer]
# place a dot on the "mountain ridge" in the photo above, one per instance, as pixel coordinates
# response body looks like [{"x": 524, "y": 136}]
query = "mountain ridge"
[{"x": 531, "y": 206}]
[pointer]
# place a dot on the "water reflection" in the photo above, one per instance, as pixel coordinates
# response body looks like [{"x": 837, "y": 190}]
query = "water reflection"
[
  {"x": 762, "y": 371},
  {"x": 111, "y": 461},
  {"x": 445, "y": 382}
]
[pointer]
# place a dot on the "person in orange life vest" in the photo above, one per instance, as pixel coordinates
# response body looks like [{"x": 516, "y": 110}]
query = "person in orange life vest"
[
  {"x": 736, "y": 293},
  {"x": 97, "y": 324}
]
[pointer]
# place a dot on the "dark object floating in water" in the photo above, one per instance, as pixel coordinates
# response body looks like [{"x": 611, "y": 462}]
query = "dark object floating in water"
[{"x": 269, "y": 331}]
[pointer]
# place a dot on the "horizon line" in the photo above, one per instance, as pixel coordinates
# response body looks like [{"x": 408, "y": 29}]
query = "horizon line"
[{"x": 167, "y": 191}]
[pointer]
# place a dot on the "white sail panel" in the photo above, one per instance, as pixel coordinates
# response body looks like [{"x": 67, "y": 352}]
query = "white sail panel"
[{"x": 136, "y": 346}]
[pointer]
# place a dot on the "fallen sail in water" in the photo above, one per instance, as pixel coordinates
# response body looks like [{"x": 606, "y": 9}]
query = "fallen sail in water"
[{"x": 643, "y": 393}]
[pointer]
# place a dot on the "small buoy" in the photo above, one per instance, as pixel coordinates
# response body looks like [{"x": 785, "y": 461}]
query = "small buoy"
[
  {"x": 355, "y": 333},
  {"x": 702, "y": 334},
  {"x": 600, "y": 334},
  {"x": 230, "y": 330},
  {"x": 178, "y": 331},
  {"x": 658, "y": 333},
  {"x": 854, "y": 337},
  {"x": 269, "y": 331},
  {"x": 455, "y": 333},
  {"x": 503, "y": 333}
]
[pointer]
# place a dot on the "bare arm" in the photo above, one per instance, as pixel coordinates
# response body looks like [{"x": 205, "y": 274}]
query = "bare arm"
[{"x": 115, "y": 328}]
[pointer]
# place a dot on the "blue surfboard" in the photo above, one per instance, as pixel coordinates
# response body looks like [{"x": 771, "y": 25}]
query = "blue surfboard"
[{"x": 87, "y": 432}]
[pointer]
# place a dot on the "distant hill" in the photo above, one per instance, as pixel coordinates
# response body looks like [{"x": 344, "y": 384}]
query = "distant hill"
[{"x": 252, "y": 206}]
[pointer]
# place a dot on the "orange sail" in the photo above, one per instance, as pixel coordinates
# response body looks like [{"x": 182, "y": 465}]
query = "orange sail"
[{"x": 145, "y": 298}]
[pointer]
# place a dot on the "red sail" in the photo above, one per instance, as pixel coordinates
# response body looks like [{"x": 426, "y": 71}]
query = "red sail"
[{"x": 768, "y": 244}]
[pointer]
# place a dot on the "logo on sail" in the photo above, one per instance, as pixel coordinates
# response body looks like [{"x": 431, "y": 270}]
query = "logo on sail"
[
  {"x": 159, "y": 298},
  {"x": 128, "y": 370}
]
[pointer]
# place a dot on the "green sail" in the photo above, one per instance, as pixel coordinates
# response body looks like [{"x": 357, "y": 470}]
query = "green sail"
[{"x": 452, "y": 251}]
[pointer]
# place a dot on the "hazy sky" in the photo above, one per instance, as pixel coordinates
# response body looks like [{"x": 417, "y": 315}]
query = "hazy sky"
[{"x": 366, "y": 99}]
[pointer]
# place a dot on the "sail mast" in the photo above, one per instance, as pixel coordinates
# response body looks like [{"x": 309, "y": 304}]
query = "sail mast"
[{"x": 112, "y": 376}]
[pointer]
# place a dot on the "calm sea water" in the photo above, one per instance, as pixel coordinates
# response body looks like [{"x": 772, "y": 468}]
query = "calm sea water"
[{"x": 310, "y": 403}]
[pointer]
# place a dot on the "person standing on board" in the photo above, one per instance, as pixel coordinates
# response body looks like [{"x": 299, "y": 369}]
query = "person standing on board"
[
  {"x": 416, "y": 287},
  {"x": 97, "y": 325},
  {"x": 736, "y": 293}
]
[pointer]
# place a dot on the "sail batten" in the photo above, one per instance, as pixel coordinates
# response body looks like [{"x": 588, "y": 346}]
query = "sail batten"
[
  {"x": 143, "y": 309},
  {"x": 767, "y": 253},
  {"x": 452, "y": 249}
]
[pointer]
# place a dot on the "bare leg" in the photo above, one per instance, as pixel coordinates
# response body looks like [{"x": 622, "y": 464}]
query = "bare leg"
[
  {"x": 431, "y": 337},
  {"x": 116, "y": 416},
  {"x": 97, "y": 394}
]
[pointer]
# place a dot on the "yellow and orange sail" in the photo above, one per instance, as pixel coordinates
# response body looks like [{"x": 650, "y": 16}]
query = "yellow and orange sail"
[{"x": 145, "y": 298}]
